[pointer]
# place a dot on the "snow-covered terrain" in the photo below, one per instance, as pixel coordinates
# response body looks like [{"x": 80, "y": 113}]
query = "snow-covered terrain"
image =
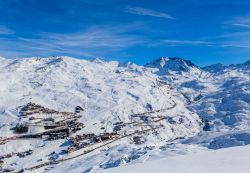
[
  {"x": 61, "y": 113},
  {"x": 219, "y": 94},
  {"x": 226, "y": 160}
]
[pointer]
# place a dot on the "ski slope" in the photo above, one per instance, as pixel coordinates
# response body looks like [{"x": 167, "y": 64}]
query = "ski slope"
[{"x": 230, "y": 160}]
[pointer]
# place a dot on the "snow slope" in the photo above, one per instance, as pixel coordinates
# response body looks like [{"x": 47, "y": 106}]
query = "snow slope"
[
  {"x": 219, "y": 94},
  {"x": 230, "y": 160}
]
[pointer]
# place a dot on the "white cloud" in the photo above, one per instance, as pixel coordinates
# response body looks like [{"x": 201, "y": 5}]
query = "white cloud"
[
  {"x": 242, "y": 25},
  {"x": 95, "y": 37},
  {"x": 239, "y": 39},
  {"x": 185, "y": 42},
  {"x": 91, "y": 42},
  {"x": 236, "y": 46},
  {"x": 240, "y": 21},
  {"x": 147, "y": 12},
  {"x": 5, "y": 31},
  {"x": 233, "y": 43}
]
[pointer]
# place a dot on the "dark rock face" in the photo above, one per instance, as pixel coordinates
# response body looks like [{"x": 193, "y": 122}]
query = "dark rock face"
[
  {"x": 21, "y": 128},
  {"x": 78, "y": 109}
]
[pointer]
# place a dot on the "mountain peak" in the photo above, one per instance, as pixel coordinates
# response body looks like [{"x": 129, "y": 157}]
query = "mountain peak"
[
  {"x": 214, "y": 68},
  {"x": 172, "y": 63}
]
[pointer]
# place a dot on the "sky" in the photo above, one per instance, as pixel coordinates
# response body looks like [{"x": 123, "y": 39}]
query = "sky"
[{"x": 203, "y": 31}]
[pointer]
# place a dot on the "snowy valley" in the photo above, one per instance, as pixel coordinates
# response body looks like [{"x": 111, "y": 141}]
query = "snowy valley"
[{"x": 62, "y": 113}]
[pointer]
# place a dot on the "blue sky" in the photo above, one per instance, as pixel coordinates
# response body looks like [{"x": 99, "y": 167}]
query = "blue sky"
[{"x": 206, "y": 32}]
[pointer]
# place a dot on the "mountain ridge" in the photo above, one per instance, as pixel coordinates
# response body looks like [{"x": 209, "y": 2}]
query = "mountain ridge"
[{"x": 190, "y": 63}]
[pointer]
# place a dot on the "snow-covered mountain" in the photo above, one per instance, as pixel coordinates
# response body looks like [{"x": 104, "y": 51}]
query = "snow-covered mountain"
[
  {"x": 149, "y": 113},
  {"x": 61, "y": 113},
  {"x": 178, "y": 65},
  {"x": 219, "y": 94}
]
